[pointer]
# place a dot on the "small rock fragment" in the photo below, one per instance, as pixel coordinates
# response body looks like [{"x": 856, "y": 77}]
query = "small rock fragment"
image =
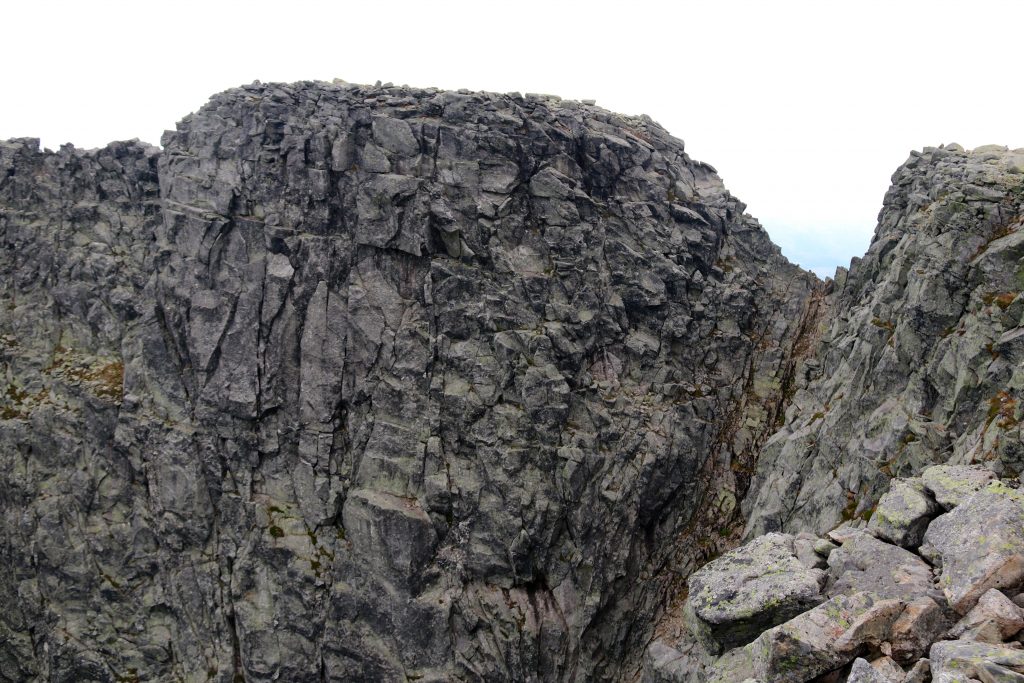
[
  {"x": 921, "y": 672},
  {"x": 846, "y": 531},
  {"x": 803, "y": 545},
  {"x": 865, "y": 672},
  {"x": 824, "y": 547}
]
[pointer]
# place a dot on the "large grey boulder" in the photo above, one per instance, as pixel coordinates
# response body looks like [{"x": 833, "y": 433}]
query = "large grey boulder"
[
  {"x": 864, "y": 563},
  {"x": 818, "y": 641},
  {"x": 951, "y": 484},
  {"x": 752, "y": 588},
  {"x": 979, "y": 545},
  {"x": 959, "y": 661},
  {"x": 903, "y": 513}
]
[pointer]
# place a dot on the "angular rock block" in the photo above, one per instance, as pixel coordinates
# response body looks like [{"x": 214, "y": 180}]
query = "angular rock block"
[
  {"x": 816, "y": 642},
  {"x": 960, "y": 661},
  {"x": 752, "y": 588},
  {"x": 979, "y": 544},
  {"x": 863, "y": 563},
  {"x": 951, "y": 484},
  {"x": 393, "y": 533},
  {"x": 994, "y": 619},
  {"x": 903, "y": 513}
]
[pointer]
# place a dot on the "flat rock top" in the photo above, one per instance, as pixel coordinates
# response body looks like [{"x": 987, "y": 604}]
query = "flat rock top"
[{"x": 759, "y": 577}]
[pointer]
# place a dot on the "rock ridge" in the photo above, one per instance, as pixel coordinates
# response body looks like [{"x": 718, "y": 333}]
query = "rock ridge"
[{"x": 376, "y": 383}]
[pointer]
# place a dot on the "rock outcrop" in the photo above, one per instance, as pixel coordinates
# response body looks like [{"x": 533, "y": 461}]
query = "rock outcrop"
[
  {"x": 354, "y": 383},
  {"x": 374, "y": 383},
  {"x": 919, "y": 361}
]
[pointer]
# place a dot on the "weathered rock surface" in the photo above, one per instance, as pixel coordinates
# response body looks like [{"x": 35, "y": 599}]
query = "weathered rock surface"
[
  {"x": 954, "y": 661},
  {"x": 950, "y": 485},
  {"x": 994, "y": 619},
  {"x": 748, "y": 590},
  {"x": 882, "y": 670},
  {"x": 885, "y": 614},
  {"x": 920, "y": 361},
  {"x": 374, "y": 383},
  {"x": 903, "y": 513},
  {"x": 979, "y": 545},
  {"x": 922, "y": 622},
  {"x": 921, "y": 672},
  {"x": 816, "y": 642},
  {"x": 866, "y": 564}
]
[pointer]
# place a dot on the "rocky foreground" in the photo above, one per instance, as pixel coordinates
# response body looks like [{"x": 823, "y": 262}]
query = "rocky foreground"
[
  {"x": 930, "y": 589},
  {"x": 352, "y": 383}
]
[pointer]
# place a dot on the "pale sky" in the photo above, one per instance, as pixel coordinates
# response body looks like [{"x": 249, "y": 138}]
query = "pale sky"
[{"x": 805, "y": 108}]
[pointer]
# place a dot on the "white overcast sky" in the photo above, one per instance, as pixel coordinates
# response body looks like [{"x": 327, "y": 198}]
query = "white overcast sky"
[{"x": 805, "y": 108}]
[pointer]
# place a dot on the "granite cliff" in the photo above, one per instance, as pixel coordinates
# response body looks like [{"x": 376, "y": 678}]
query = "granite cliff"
[{"x": 376, "y": 383}]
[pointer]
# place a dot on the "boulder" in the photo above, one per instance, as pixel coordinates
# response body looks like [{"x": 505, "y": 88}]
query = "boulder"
[
  {"x": 804, "y": 547},
  {"x": 824, "y": 547},
  {"x": 979, "y": 544},
  {"x": 903, "y": 513},
  {"x": 994, "y": 619},
  {"x": 847, "y": 530},
  {"x": 882, "y": 670},
  {"x": 922, "y": 622},
  {"x": 921, "y": 672},
  {"x": 816, "y": 642},
  {"x": 752, "y": 588},
  {"x": 965, "y": 660},
  {"x": 951, "y": 484},
  {"x": 864, "y": 563}
]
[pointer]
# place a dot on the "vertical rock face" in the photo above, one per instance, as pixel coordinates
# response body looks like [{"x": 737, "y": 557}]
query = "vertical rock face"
[
  {"x": 417, "y": 385},
  {"x": 77, "y": 230},
  {"x": 921, "y": 358}
]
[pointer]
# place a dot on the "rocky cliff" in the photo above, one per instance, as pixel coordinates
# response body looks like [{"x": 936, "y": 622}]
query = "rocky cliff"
[
  {"x": 373, "y": 383},
  {"x": 920, "y": 360},
  {"x": 357, "y": 383}
]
